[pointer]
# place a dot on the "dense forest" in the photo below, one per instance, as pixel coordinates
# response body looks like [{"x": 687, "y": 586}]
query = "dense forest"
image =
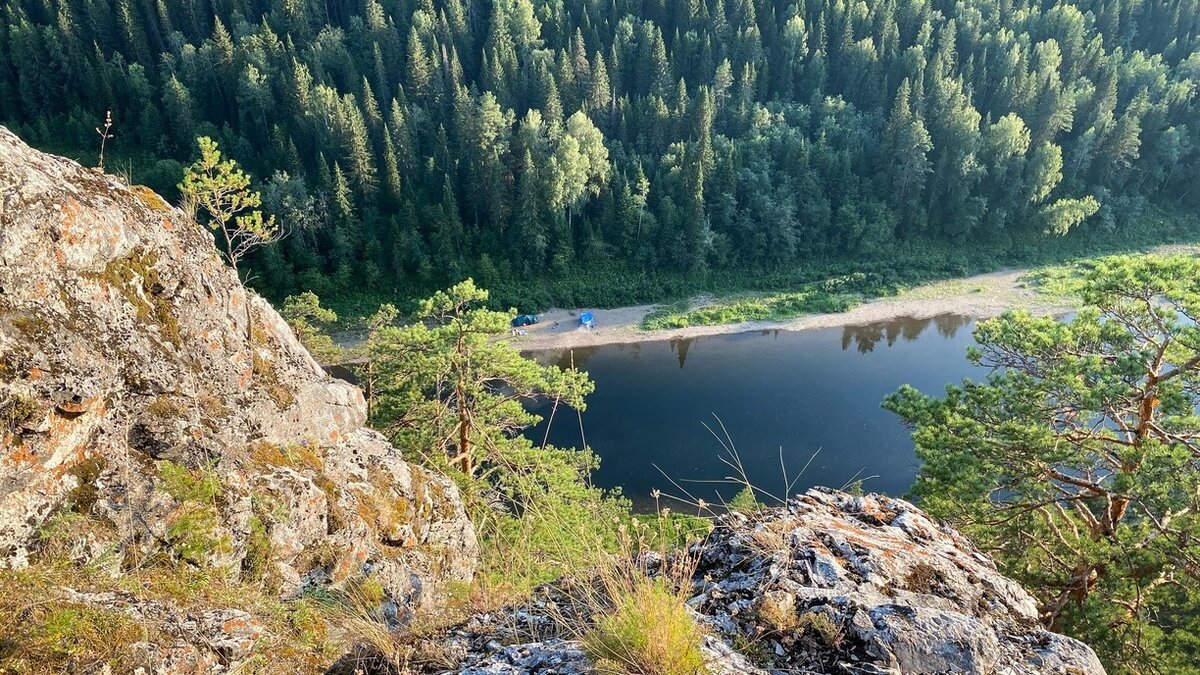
[{"x": 410, "y": 143}]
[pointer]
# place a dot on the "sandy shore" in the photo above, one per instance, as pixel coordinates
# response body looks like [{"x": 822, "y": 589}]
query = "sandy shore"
[{"x": 982, "y": 296}]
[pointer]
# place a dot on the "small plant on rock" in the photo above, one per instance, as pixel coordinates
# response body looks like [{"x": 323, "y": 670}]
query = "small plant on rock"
[
  {"x": 222, "y": 191},
  {"x": 649, "y": 631}
]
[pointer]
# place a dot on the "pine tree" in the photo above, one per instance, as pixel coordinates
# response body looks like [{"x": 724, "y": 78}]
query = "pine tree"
[
  {"x": 418, "y": 70},
  {"x": 906, "y": 145}
]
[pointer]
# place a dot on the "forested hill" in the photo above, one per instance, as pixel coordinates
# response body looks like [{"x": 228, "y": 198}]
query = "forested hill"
[{"x": 410, "y": 143}]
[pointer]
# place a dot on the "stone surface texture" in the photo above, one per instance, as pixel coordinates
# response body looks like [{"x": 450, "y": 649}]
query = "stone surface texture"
[
  {"x": 141, "y": 382},
  {"x": 830, "y": 583}
]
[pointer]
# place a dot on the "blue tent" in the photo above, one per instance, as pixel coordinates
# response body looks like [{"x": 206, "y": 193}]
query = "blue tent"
[
  {"x": 587, "y": 320},
  {"x": 524, "y": 320}
]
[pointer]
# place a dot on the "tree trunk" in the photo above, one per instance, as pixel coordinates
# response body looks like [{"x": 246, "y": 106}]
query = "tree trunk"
[
  {"x": 464, "y": 416},
  {"x": 464, "y": 442},
  {"x": 370, "y": 387}
]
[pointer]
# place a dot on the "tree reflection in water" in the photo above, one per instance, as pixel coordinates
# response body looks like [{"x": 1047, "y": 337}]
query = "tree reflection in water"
[{"x": 864, "y": 337}]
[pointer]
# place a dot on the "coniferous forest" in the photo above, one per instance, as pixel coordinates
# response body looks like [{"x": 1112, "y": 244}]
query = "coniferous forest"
[{"x": 407, "y": 144}]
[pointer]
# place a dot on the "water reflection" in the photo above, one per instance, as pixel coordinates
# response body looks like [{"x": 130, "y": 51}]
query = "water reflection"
[
  {"x": 681, "y": 346},
  {"x": 864, "y": 337},
  {"x": 777, "y": 392},
  {"x": 564, "y": 358}
]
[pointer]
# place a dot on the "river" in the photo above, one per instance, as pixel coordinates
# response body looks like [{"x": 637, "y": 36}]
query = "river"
[{"x": 811, "y": 397}]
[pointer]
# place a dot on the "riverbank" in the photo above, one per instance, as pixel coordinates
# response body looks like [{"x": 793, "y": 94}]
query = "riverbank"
[{"x": 979, "y": 297}]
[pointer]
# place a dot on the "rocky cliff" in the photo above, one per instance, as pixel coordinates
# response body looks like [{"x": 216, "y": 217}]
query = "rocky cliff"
[
  {"x": 832, "y": 583},
  {"x": 136, "y": 387}
]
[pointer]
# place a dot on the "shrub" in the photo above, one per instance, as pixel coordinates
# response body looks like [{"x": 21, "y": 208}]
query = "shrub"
[
  {"x": 194, "y": 533},
  {"x": 648, "y": 632},
  {"x": 195, "y": 528},
  {"x": 819, "y": 627},
  {"x": 259, "y": 551},
  {"x": 836, "y": 294},
  {"x": 745, "y": 501}
]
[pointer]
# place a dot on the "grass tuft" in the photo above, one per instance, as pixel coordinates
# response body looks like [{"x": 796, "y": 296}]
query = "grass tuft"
[
  {"x": 201, "y": 486},
  {"x": 166, "y": 407},
  {"x": 649, "y": 631}
]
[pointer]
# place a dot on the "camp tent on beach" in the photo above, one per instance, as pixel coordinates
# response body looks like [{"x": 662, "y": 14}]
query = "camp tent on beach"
[{"x": 587, "y": 320}]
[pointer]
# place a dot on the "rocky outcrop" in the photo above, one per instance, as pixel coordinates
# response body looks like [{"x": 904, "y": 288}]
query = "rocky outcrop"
[
  {"x": 139, "y": 382},
  {"x": 204, "y": 639},
  {"x": 831, "y": 583}
]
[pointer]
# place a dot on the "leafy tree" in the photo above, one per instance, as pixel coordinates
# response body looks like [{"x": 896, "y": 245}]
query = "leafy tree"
[
  {"x": 383, "y": 317},
  {"x": 762, "y": 132},
  {"x": 1077, "y": 461},
  {"x": 906, "y": 147},
  {"x": 1064, "y": 214},
  {"x": 452, "y": 394}
]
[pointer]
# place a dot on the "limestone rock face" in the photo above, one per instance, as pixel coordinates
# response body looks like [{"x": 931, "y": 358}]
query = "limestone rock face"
[
  {"x": 139, "y": 381},
  {"x": 830, "y": 583}
]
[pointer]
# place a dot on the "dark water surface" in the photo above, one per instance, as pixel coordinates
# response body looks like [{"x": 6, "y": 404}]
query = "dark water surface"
[{"x": 795, "y": 391}]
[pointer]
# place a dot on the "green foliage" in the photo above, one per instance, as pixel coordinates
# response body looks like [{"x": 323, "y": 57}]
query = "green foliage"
[
  {"x": 135, "y": 276},
  {"x": 745, "y": 501},
  {"x": 1064, "y": 214},
  {"x": 452, "y": 395},
  {"x": 75, "y": 635},
  {"x": 1060, "y": 280},
  {"x": 833, "y": 295},
  {"x": 259, "y": 551},
  {"x": 222, "y": 191},
  {"x": 649, "y": 631},
  {"x": 1074, "y": 463},
  {"x": 447, "y": 387},
  {"x": 194, "y": 530},
  {"x": 412, "y": 145},
  {"x": 186, "y": 485},
  {"x": 43, "y": 630},
  {"x": 310, "y": 321},
  {"x": 1070, "y": 279},
  {"x": 16, "y": 410},
  {"x": 195, "y": 533}
]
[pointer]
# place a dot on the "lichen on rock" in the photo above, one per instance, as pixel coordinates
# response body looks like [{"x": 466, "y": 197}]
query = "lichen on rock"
[
  {"x": 129, "y": 375},
  {"x": 829, "y": 583}
]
